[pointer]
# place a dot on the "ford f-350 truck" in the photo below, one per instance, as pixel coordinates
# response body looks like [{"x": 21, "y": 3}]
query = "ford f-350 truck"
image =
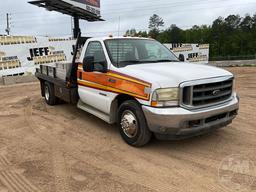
[{"x": 141, "y": 86}]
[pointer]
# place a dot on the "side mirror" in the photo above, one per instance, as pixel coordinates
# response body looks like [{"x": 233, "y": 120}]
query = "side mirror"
[
  {"x": 181, "y": 57},
  {"x": 88, "y": 64}
]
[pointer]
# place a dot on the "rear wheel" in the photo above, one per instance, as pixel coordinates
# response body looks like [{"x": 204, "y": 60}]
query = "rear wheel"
[
  {"x": 132, "y": 124},
  {"x": 49, "y": 94}
]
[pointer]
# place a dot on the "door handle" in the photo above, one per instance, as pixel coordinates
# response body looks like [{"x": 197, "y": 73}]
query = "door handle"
[{"x": 103, "y": 94}]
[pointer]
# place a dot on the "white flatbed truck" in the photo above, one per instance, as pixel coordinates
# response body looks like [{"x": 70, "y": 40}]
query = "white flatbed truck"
[{"x": 140, "y": 85}]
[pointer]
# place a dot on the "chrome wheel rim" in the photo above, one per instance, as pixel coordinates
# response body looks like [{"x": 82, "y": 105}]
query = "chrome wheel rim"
[
  {"x": 47, "y": 93},
  {"x": 129, "y": 124}
]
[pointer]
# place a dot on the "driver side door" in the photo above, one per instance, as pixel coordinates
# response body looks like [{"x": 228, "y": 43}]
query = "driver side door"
[{"x": 93, "y": 85}]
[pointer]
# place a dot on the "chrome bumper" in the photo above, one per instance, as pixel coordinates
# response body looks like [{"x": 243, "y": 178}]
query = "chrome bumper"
[{"x": 182, "y": 122}]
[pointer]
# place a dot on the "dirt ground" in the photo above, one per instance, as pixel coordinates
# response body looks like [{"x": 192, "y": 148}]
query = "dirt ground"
[{"x": 63, "y": 149}]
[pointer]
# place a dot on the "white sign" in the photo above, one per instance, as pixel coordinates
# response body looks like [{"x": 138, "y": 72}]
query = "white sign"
[
  {"x": 192, "y": 53},
  {"x": 92, "y": 6},
  {"x": 22, "y": 54}
]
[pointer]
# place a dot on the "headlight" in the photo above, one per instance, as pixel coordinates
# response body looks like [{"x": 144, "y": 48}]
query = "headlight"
[{"x": 165, "y": 97}]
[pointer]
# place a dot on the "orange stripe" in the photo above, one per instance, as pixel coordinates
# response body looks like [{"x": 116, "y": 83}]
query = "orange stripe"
[
  {"x": 109, "y": 89},
  {"x": 123, "y": 76},
  {"x": 130, "y": 77},
  {"x": 120, "y": 83}
]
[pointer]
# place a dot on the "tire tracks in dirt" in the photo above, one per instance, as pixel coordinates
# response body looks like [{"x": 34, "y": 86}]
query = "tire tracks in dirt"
[{"x": 12, "y": 179}]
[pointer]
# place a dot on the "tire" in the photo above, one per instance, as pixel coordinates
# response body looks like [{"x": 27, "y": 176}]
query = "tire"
[
  {"x": 49, "y": 94},
  {"x": 131, "y": 115}
]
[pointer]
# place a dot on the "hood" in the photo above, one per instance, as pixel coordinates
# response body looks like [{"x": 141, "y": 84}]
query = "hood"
[{"x": 173, "y": 74}]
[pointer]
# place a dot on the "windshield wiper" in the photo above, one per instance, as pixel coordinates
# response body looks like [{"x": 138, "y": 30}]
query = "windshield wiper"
[
  {"x": 130, "y": 61},
  {"x": 145, "y": 61},
  {"x": 165, "y": 60}
]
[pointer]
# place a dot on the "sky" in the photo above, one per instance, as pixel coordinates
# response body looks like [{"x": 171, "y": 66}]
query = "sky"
[{"x": 119, "y": 16}]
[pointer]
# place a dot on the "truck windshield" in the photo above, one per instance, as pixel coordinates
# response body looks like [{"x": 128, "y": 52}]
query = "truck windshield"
[{"x": 125, "y": 52}]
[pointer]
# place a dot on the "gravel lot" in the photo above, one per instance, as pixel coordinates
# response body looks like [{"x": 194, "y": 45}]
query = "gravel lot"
[{"x": 63, "y": 149}]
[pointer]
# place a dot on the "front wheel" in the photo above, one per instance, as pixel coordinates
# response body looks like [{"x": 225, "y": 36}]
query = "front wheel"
[{"x": 132, "y": 124}]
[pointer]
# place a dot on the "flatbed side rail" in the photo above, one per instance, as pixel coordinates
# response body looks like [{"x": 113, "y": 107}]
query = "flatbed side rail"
[{"x": 61, "y": 90}]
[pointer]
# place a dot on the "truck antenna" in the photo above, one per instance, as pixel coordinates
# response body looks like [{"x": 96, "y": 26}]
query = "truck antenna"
[{"x": 119, "y": 26}]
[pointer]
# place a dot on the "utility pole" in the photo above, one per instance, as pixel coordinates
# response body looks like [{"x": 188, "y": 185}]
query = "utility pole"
[
  {"x": 76, "y": 30},
  {"x": 8, "y": 29}
]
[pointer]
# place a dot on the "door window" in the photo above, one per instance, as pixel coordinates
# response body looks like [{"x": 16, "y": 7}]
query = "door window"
[{"x": 95, "y": 50}]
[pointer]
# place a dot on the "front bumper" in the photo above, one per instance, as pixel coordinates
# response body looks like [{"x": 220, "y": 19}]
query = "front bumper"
[{"x": 178, "y": 123}]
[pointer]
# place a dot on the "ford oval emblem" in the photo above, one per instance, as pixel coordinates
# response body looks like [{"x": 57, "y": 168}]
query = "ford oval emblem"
[{"x": 216, "y": 92}]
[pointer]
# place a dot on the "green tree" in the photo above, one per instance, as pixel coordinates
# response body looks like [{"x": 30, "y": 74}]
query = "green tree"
[
  {"x": 247, "y": 23},
  {"x": 230, "y": 36},
  {"x": 232, "y": 22},
  {"x": 131, "y": 32},
  {"x": 254, "y": 20},
  {"x": 142, "y": 34},
  {"x": 155, "y": 22}
]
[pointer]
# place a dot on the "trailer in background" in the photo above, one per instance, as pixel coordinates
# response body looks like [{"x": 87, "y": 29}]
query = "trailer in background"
[
  {"x": 21, "y": 55},
  {"x": 192, "y": 53}
]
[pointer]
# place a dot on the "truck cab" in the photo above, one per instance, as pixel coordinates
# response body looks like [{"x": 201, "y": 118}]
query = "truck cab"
[{"x": 140, "y": 85}]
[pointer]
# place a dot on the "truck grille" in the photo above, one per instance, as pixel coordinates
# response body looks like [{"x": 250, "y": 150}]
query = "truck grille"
[{"x": 207, "y": 94}]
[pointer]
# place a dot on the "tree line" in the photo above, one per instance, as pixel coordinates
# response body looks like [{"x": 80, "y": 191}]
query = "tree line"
[{"x": 233, "y": 37}]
